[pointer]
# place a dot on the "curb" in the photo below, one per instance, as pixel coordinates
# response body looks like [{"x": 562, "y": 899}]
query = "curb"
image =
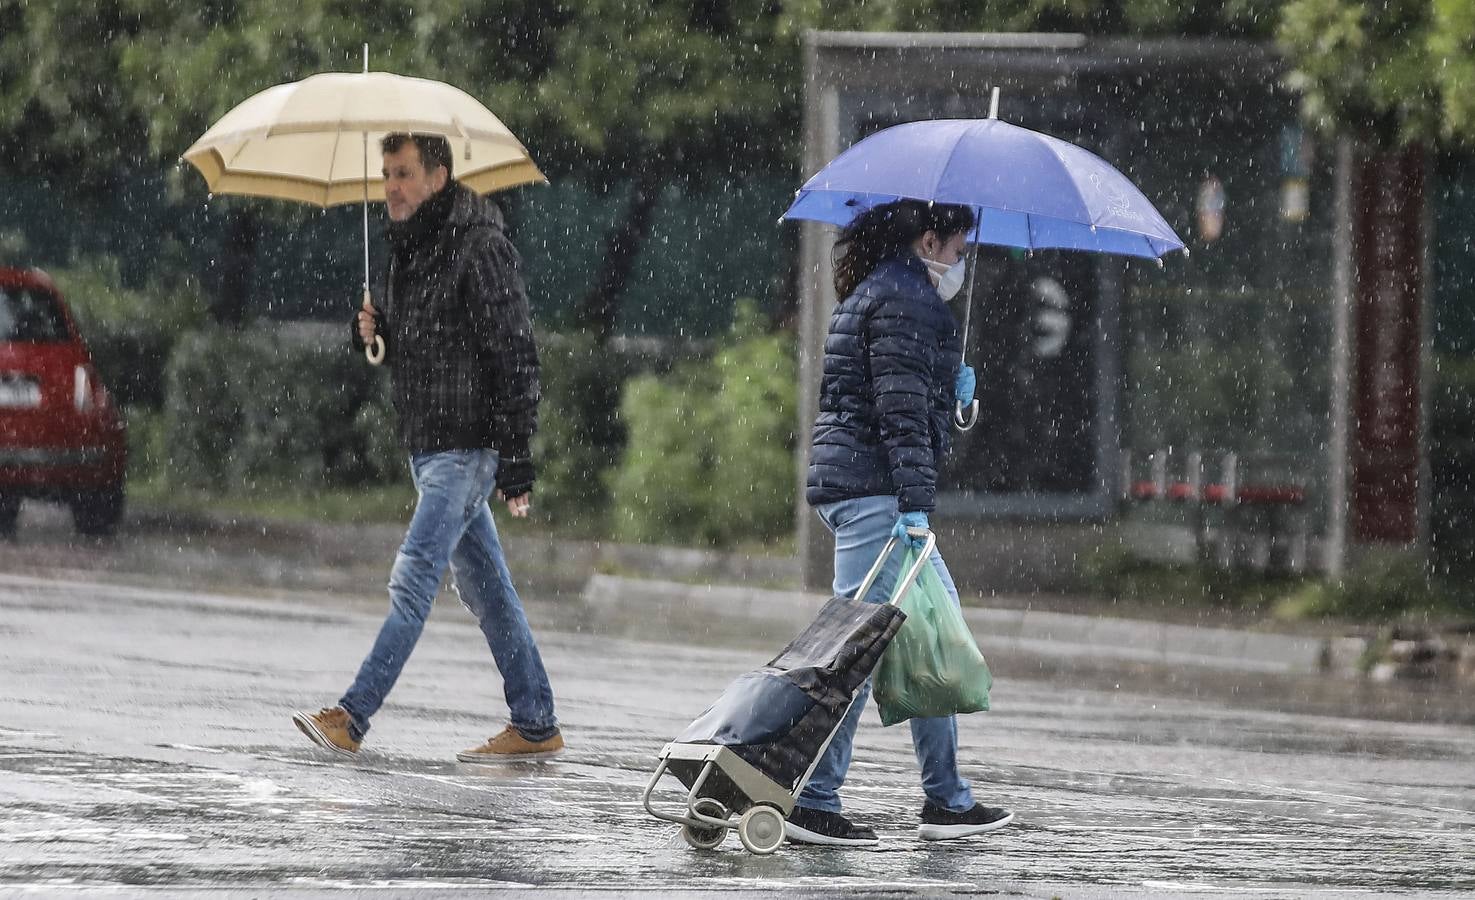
[{"x": 776, "y": 615}]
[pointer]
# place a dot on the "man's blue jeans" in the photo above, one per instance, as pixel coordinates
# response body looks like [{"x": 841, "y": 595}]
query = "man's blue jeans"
[
  {"x": 452, "y": 526},
  {"x": 862, "y": 526}
]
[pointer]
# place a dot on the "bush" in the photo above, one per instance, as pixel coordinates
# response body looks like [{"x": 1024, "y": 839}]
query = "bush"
[
  {"x": 372, "y": 450},
  {"x": 753, "y": 479},
  {"x": 581, "y": 434},
  {"x": 202, "y": 419},
  {"x": 709, "y": 457},
  {"x": 282, "y": 405},
  {"x": 147, "y": 458},
  {"x": 1379, "y": 588},
  {"x": 130, "y": 331},
  {"x": 579, "y": 431},
  {"x": 1118, "y": 573}
]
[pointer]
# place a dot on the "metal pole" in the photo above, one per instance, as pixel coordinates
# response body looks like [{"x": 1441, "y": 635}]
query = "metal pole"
[
  {"x": 366, "y": 190},
  {"x": 966, "y": 422},
  {"x": 374, "y": 350},
  {"x": 972, "y": 273}
]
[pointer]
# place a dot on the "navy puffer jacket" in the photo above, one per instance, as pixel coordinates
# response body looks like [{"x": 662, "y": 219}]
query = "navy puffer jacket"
[{"x": 886, "y": 398}]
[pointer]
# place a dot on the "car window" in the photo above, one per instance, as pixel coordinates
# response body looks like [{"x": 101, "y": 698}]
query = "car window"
[{"x": 31, "y": 315}]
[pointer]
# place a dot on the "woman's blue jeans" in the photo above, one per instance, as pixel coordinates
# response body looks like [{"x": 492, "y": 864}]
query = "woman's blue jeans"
[
  {"x": 862, "y": 526},
  {"x": 452, "y": 527}
]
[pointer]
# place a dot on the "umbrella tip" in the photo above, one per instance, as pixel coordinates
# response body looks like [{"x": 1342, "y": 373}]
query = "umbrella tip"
[
  {"x": 1161, "y": 264},
  {"x": 1185, "y": 252},
  {"x": 993, "y": 104}
]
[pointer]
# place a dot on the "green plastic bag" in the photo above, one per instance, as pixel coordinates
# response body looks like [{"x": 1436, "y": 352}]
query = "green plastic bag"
[{"x": 933, "y": 667}]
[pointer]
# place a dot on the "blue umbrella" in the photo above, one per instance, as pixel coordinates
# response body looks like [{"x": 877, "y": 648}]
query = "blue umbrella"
[{"x": 1027, "y": 190}]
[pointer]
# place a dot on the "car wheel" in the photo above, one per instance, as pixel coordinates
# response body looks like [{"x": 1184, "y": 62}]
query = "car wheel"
[
  {"x": 9, "y": 513},
  {"x": 97, "y": 513}
]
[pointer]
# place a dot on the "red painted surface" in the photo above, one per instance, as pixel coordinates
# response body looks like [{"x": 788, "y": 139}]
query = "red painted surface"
[
  {"x": 57, "y": 445},
  {"x": 1388, "y": 242}
]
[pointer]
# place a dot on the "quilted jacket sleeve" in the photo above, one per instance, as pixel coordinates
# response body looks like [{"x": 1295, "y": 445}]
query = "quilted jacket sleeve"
[{"x": 901, "y": 354}]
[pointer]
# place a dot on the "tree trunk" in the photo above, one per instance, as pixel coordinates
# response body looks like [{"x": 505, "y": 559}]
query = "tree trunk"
[
  {"x": 599, "y": 310},
  {"x": 237, "y": 266}
]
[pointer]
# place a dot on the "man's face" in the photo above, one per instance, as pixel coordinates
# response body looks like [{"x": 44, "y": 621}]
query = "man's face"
[{"x": 406, "y": 183}]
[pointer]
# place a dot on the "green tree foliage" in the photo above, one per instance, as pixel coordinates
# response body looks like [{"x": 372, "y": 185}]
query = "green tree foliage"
[
  {"x": 1365, "y": 68},
  {"x": 626, "y": 92},
  {"x": 1452, "y": 54},
  {"x": 191, "y": 64},
  {"x": 64, "y": 112},
  {"x": 1393, "y": 71}
]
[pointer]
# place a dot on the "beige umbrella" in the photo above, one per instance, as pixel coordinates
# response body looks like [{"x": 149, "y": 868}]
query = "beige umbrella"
[{"x": 310, "y": 141}]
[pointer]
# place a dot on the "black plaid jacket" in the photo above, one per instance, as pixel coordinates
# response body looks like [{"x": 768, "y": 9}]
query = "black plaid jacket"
[{"x": 459, "y": 335}]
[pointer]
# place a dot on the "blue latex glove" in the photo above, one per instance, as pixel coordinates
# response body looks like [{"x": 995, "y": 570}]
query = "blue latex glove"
[
  {"x": 910, "y": 520},
  {"x": 966, "y": 384}
]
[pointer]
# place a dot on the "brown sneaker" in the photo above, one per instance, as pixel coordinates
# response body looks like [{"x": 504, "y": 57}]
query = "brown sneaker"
[
  {"x": 327, "y": 728},
  {"x": 509, "y": 746}
]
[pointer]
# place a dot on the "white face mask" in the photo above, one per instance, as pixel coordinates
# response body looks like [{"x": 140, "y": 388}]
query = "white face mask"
[{"x": 948, "y": 279}]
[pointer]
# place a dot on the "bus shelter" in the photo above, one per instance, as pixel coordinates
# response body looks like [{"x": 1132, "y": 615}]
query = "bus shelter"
[{"x": 1197, "y": 409}]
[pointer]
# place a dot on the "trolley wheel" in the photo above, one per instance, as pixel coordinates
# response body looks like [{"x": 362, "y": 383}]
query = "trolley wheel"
[
  {"x": 703, "y": 837},
  {"x": 761, "y": 829}
]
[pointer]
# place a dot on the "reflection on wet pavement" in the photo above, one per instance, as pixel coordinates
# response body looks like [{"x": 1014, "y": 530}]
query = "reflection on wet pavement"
[{"x": 145, "y": 741}]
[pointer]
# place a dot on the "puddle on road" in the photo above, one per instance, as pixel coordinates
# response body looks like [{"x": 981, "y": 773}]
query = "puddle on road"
[{"x": 401, "y": 822}]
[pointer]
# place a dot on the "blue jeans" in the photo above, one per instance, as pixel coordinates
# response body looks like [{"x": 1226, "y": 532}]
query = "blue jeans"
[
  {"x": 452, "y": 527},
  {"x": 862, "y": 526}
]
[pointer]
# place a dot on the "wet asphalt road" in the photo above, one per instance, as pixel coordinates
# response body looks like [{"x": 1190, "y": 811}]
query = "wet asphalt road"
[{"x": 145, "y": 744}]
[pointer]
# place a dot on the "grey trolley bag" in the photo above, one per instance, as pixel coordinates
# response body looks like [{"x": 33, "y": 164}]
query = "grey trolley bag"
[{"x": 751, "y": 753}]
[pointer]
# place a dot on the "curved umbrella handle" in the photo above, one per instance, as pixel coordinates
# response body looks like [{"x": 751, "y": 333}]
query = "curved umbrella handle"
[
  {"x": 374, "y": 351},
  {"x": 965, "y": 424}
]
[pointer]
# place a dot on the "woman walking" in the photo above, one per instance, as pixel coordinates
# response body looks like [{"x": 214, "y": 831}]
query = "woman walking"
[{"x": 892, "y": 372}]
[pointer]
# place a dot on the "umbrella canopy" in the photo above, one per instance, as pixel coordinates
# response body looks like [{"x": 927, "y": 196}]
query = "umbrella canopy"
[
  {"x": 1029, "y": 190},
  {"x": 317, "y": 140}
]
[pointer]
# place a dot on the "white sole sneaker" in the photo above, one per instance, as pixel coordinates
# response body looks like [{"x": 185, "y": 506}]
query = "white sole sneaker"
[
  {"x": 307, "y": 726},
  {"x": 492, "y": 759},
  {"x": 948, "y": 832},
  {"x": 799, "y": 835}
]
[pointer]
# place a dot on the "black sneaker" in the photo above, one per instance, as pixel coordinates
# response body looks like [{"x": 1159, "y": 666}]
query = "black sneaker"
[
  {"x": 815, "y": 826},
  {"x": 940, "y": 824}
]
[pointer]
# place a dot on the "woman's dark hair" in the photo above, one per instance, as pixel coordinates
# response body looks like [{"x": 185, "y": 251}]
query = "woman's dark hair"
[{"x": 880, "y": 233}]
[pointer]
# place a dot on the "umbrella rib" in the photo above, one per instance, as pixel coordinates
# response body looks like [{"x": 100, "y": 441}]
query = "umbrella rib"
[
  {"x": 1050, "y": 146},
  {"x": 333, "y": 163},
  {"x": 951, "y": 153},
  {"x": 227, "y": 163}
]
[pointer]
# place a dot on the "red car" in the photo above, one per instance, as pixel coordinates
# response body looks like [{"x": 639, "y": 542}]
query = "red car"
[{"x": 61, "y": 437}]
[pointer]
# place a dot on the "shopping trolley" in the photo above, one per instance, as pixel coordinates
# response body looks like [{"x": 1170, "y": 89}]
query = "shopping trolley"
[{"x": 751, "y": 753}]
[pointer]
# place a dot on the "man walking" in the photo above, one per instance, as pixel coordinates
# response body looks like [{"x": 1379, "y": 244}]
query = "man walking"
[{"x": 458, "y": 336}]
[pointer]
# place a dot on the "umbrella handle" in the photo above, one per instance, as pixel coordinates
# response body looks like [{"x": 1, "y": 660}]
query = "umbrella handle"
[
  {"x": 374, "y": 351},
  {"x": 972, "y": 419}
]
